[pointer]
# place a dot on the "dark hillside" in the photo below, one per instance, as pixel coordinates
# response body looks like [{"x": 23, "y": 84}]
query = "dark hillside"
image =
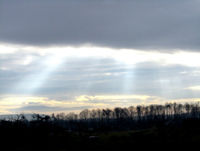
[{"x": 172, "y": 124}]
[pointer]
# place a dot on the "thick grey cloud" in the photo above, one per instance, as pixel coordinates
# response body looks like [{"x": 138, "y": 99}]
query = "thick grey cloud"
[{"x": 144, "y": 24}]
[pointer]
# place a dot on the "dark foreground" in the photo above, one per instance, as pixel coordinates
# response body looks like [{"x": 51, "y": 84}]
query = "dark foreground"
[
  {"x": 160, "y": 128},
  {"x": 42, "y": 136}
]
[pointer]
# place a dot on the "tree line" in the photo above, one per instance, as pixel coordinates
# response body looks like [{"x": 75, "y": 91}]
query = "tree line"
[
  {"x": 140, "y": 112},
  {"x": 119, "y": 118},
  {"x": 102, "y": 128}
]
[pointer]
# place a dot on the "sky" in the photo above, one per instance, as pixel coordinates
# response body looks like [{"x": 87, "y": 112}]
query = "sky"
[{"x": 69, "y": 55}]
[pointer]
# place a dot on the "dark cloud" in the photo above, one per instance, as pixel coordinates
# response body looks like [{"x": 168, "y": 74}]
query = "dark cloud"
[{"x": 155, "y": 24}]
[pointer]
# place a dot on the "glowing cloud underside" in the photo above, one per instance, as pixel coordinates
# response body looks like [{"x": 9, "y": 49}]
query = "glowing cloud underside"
[
  {"x": 55, "y": 57},
  {"x": 126, "y": 56}
]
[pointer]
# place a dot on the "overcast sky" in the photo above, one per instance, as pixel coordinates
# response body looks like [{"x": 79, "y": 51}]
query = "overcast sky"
[{"x": 68, "y": 55}]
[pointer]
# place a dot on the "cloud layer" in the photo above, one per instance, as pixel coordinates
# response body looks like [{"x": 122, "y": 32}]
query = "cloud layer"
[
  {"x": 67, "y": 55},
  {"x": 35, "y": 79},
  {"x": 144, "y": 24}
]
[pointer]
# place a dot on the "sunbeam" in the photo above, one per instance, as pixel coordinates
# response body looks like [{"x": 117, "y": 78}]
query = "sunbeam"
[
  {"x": 34, "y": 81},
  {"x": 66, "y": 72}
]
